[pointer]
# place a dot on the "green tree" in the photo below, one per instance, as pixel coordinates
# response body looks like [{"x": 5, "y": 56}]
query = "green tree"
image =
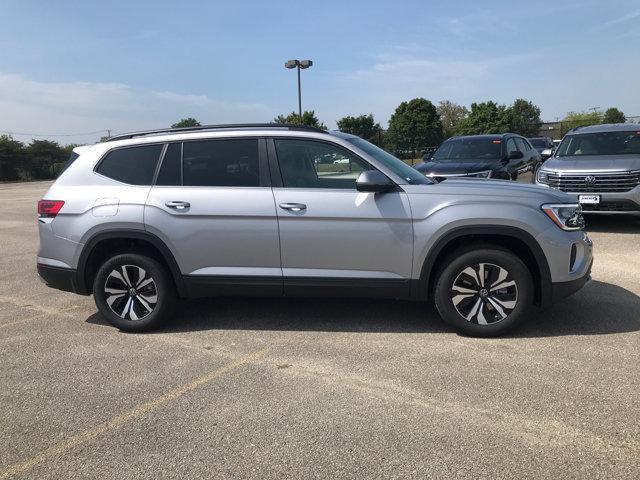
[
  {"x": 415, "y": 125},
  {"x": 363, "y": 126},
  {"x": 579, "y": 119},
  {"x": 485, "y": 117},
  {"x": 12, "y": 158},
  {"x": 186, "y": 122},
  {"x": 524, "y": 118},
  {"x": 308, "y": 118},
  {"x": 613, "y": 115},
  {"x": 450, "y": 115},
  {"x": 42, "y": 156}
]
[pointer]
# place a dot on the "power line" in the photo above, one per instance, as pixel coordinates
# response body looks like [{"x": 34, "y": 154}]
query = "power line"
[{"x": 55, "y": 134}]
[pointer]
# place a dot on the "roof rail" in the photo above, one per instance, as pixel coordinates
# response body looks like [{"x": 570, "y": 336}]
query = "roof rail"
[{"x": 206, "y": 128}]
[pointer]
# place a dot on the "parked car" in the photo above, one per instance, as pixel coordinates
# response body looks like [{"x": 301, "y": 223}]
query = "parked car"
[
  {"x": 504, "y": 156},
  {"x": 600, "y": 166},
  {"x": 544, "y": 146},
  {"x": 145, "y": 218}
]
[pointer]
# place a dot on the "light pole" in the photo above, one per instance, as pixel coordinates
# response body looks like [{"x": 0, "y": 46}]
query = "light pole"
[{"x": 299, "y": 64}]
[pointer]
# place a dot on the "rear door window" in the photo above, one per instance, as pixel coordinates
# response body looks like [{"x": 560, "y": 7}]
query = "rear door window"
[
  {"x": 221, "y": 163},
  {"x": 132, "y": 165}
]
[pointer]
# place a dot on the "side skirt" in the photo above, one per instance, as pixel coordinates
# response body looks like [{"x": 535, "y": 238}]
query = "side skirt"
[{"x": 253, "y": 286}]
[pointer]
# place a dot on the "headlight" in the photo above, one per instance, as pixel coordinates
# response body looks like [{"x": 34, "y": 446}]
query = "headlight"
[
  {"x": 543, "y": 176},
  {"x": 568, "y": 216},
  {"x": 484, "y": 174}
]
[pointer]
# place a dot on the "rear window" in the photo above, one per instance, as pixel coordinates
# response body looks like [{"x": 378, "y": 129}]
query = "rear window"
[
  {"x": 133, "y": 165},
  {"x": 221, "y": 163}
]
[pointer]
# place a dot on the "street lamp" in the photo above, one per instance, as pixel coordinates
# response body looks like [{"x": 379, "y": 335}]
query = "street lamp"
[{"x": 299, "y": 64}]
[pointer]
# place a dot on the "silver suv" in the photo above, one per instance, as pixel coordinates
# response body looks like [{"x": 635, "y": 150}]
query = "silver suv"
[
  {"x": 146, "y": 218},
  {"x": 600, "y": 166}
]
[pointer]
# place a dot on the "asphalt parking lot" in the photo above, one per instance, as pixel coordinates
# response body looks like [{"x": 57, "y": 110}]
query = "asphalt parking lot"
[{"x": 274, "y": 388}]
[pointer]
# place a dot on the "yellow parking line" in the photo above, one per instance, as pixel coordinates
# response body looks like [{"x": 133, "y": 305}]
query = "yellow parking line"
[{"x": 136, "y": 412}]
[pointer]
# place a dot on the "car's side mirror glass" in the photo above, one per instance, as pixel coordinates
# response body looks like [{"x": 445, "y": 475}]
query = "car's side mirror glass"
[{"x": 374, "y": 181}]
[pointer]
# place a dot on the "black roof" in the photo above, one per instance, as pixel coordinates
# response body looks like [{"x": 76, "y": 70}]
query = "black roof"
[{"x": 208, "y": 128}]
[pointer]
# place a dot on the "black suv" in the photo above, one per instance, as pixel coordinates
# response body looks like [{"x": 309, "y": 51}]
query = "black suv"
[{"x": 505, "y": 156}]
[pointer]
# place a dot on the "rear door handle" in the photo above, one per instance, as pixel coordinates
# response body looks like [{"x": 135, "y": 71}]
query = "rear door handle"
[
  {"x": 293, "y": 207},
  {"x": 178, "y": 205}
]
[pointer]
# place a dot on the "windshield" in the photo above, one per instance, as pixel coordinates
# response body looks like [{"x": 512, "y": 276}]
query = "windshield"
[
  {"x": 603, "y": 143},
  {"x": 397, "y": 166},
  {"x": 468, "y": 149},
  {"x": 538, "y": 142}
]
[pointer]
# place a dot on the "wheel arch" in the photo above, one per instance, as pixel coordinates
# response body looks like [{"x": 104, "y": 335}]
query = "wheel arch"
[
  {"x": 519, "y": 241},
  {"x": 104, "y": 244}
]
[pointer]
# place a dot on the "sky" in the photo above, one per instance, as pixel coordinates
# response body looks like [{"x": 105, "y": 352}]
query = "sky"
[{"x": 70, "y": 70}]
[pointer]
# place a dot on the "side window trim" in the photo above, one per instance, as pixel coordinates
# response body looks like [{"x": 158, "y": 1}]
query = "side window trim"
[
  {"x": 274, "y": 163},
  {"x": 159, "y": 164}
]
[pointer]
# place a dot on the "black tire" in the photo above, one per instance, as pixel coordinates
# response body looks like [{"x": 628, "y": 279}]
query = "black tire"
[
  {"x": 126, "y": 300},
  {"x": 488, "y": 311}
]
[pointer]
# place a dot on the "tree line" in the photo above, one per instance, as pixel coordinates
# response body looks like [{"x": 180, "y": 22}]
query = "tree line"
[
  {"x": 39, "y": 160},
  {"x": 418, "y": 124},
  {"x": 414, "y": 126}
]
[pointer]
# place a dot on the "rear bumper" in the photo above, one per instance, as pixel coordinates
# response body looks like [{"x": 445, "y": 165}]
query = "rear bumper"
[
  {"x": 560, "y": 290},
  {"x": 59, "y": 277}
]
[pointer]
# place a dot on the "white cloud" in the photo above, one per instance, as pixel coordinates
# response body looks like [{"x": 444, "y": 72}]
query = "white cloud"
[
  {"x": 75, "y": 107},
  {"x": 624, "y": 18}
]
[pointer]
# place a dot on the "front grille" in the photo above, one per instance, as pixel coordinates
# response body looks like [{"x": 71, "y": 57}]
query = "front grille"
[
  {"x": 595, "y": 183},
  {"x": 611, "y": 207}
]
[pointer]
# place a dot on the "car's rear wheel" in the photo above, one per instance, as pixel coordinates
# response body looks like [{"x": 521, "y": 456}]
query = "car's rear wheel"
[
  {"x": 484, "y": 292},
  {"x": 134, "y": 292}
]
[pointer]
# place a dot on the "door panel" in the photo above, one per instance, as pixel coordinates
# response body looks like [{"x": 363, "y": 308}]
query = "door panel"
[
  {"x": 331, "y": 235},
  {"x": 224, "y": 230},
  {"x": 344, "y": 234}
]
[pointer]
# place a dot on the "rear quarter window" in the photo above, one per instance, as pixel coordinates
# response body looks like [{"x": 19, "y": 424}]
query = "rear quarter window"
[{"x": 132, "y": 165}]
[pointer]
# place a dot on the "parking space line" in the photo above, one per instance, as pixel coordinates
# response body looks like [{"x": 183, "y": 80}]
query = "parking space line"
[{"x": 134, "y": 413}]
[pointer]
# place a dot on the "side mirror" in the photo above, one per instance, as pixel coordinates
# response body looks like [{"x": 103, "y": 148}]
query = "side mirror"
[
  {"x": 547, "y": 152},
  {"x": 515, "y": 154},
  {"x": 374, "y": 181}
]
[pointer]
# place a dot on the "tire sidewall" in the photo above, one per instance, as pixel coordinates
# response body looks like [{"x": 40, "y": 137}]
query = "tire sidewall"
[
  {"x": 502, "y": 258},
  {"x": 164, "y": 288}
]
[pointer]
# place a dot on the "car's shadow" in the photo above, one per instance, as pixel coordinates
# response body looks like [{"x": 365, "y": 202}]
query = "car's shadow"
[
  {"x": 613, "y": 223},
  {"x": 600, "y": 308}
]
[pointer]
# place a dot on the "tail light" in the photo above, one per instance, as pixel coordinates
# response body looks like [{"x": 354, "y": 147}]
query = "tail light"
[{"x": 49, "y": 208}]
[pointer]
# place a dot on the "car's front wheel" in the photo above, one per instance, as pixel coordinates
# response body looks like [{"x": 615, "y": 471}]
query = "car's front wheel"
[
  {"x": 484, "y": 292},
  {"x": 134, "y": 292}
]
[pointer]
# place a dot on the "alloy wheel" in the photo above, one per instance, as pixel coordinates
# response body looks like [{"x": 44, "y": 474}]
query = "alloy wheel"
[
  {"x": 131, "y": 292},
  {"x": 484, "y": 293}
]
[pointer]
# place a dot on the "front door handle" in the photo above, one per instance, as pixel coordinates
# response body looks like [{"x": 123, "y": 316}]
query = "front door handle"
[
  {"x": 178, "y": 205},
  {"x": 293, "y": 207}
]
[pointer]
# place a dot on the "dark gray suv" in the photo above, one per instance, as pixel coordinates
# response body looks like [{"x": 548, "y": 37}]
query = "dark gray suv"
[{"x": 600, "y": 166}]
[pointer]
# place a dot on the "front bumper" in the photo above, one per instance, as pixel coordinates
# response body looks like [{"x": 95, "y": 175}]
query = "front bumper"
[
  {"x": 58, "y": 277},
  {"x": 560, "y": 290}
]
